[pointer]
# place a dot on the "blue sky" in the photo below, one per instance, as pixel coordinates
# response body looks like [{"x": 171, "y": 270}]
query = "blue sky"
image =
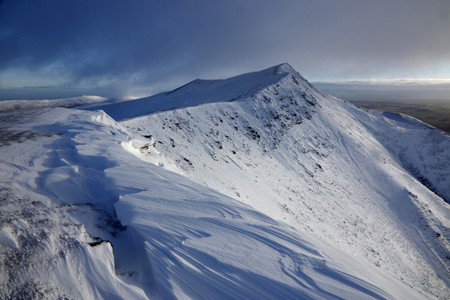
[{"x": 54, "y": 48}]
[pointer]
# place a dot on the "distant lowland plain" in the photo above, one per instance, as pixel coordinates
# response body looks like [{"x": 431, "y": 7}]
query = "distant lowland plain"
[{"x": 429, "y": 103}]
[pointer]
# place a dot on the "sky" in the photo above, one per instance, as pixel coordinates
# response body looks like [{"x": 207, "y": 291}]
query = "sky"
[{"x": 115, "y": 48}]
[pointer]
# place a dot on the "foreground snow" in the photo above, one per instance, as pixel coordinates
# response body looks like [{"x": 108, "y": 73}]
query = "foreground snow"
[
  {"x": 271, "y": 190},
  {"x": 63, "y": 186}
]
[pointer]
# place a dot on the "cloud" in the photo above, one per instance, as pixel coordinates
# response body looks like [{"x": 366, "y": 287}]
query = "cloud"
[{"x": 123, "y": 46}]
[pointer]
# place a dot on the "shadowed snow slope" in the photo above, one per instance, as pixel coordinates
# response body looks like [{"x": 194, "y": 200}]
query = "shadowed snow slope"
[{"x": 256, "y": 187}]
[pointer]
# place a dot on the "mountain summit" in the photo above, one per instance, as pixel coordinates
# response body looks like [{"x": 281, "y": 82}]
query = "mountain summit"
[
  {"x": 200, "y": 92},
  {"x": 259, "y": 186}
]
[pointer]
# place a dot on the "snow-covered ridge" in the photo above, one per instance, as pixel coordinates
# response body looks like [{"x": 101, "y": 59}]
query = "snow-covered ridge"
[{"x": 200, "y": 92}]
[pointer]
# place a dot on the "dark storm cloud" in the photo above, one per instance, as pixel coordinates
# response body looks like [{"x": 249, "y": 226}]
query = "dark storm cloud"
[{"x": 125, "y": 44}]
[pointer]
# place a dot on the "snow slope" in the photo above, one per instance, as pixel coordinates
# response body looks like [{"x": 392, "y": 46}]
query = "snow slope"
[
  {"x": 255, "y": 187},
  {"x": 74, "y": 182},
  {"x": 74, "y": 179},
  {"x": 371, "y": 184}
]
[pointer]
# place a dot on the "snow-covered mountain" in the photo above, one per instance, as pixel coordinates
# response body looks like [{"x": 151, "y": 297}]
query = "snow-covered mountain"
[{"x": 255, "y": 187}]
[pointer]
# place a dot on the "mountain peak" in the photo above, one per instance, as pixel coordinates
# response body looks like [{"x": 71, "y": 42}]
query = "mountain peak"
[
  {"x": 285, "y": 68},
  {"x": 199, "y": 92}
]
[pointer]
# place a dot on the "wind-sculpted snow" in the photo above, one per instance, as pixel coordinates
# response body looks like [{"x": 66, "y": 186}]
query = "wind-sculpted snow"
[
  {"x": 215, "y": 248},
  {"x": 53, "y": 203}
]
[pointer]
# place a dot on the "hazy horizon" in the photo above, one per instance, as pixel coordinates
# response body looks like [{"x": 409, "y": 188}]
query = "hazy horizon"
[
  {"x": 350, "y": 91},
  {"x": 387, "y": 92},
  {"x": 57, "y": 49}
]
